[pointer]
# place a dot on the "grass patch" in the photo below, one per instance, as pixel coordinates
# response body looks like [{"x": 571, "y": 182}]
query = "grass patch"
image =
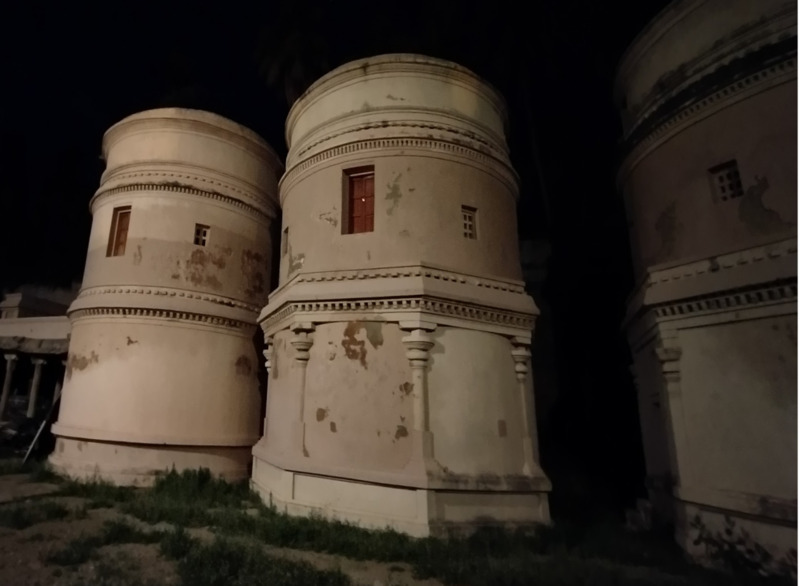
[
  {"x": 563, "y": 554},
  {"x": 121, "y": 570},
  {"x": 84, "y": 548},
  {"x": 23, "y": 515},
  {"x": 99, "y": 492},
  {"x": 228, "y": 563},
  {"x": 39, "y": 471},
  {"x": 189, "y": 499}
]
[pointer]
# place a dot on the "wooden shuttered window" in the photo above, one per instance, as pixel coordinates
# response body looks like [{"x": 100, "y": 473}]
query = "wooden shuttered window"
[
  {"x": 118, "y": 237},
  {"x": 360, "y": 203}
]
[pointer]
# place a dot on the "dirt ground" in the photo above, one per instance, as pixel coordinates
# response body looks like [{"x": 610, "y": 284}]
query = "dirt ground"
[{"x": 24, "y": 552}]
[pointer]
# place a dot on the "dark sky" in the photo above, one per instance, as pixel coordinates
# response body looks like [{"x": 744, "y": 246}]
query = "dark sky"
[{"x": 72, "y": 69}]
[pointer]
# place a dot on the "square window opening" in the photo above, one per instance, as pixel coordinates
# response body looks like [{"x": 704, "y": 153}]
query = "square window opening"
[
  {"x": 201, "y": 234},
  {"x": 118, "y": 235},
  {"x": 358, "y": 200},
  {"x": 469, "y": 222},
  {"x": 726, "y": 182}
]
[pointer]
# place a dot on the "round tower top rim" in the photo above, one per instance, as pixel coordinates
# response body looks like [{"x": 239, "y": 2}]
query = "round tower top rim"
[
  {"x": 388, "y": 62},
  {"x": 214, "y": 122}
]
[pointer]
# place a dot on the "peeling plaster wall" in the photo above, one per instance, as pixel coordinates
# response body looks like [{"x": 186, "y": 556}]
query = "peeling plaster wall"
[
  {"x": 233, "y": 264},
  {"x": 162, "y": 367},
  {"x": 400, "y": 391},
  {"x": 357, "y": 389},
  {"x": 117, "y": 373},
  {"x": 674, "y": 211},
  {"x": 744, "y": 410},
  {"x": 417, "y": 217},
  {"x": 477, "y": 433},
  {"x": 713, "y": 321}
]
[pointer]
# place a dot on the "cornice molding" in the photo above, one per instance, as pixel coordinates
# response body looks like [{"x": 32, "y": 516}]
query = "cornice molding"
[
  {"x": 415, "y": 304},
  {"x": 493, "y": 148},
  {"x": 499, "y": 168},
  {"x": 750, "y": 41},
  {"x": 516, "y": 287},
  {"x": 645, "y": 319},
  {"x": 176, "y": 187},
  {"x": 200, "y": 177},
  {"x": 724, "y": 262},
  {"x": 160, "y": 314},
  {"x": 168, "y": 292},
  {"x": 715, "y": 91},
  {"x": 728, "y": 300}
]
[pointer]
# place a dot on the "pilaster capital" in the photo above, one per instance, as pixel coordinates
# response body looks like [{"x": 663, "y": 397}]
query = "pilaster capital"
[
  {"x": 521, "y": 341},
  {"x": 521, "y": 354},
  {"x": 11, "y": 357},
  {"x": 38, "y": 361},
  {"x": 268, "y": 353},
  {"x": 417, "y": 343},
  {"x": 669, "y": 354},
  {"x": 299, "y": 327},
  {"x": 302, "y": 340},
  {"x": 411, "y": 325}
]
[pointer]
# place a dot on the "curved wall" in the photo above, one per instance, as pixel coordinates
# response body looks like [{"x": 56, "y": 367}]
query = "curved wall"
[
  {"x": 370, "y": 330},
  {"x": 708, "y": 97},
  {"x": 162, "y": 368}
]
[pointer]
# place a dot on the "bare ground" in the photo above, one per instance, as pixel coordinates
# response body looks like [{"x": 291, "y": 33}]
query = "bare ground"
[{"x": 24, "y": 552}]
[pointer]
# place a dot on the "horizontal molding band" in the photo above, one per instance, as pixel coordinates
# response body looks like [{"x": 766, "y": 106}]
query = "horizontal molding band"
[
  {"x": 722, "y": 84},
  {"x": 168, "y": 292},
  {"x": 500, "y": 168},
  {"x": 151, "y": 440},
  {"x": 709, "y": 92},
  {"x": 472, "y": 136},
  {"x": 160, "y": 314},
  {"x": 176, "y": 187},
  {"x": 399, "y": 304},
  {"x": 733, "y": 299}
]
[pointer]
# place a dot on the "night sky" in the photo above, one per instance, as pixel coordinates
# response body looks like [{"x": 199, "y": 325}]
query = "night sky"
[{"x": 70, "y": 70}]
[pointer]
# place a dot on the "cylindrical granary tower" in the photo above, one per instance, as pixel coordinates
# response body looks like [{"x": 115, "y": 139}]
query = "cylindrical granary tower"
[
  {"x": 708, "y": 97},
  {"x": 162, "y": 367},
  {"x": 398, "y": 339}
]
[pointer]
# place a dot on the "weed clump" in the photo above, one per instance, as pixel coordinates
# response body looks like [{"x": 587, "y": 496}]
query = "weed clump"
[
  {"x": 23, "y": 515},
  {"x": 228, "y": 563}
]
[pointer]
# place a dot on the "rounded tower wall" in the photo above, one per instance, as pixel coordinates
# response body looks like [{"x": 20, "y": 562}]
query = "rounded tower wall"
[
  {"x": 161, "y": 355},
  {"x": 401, "y": 319},
  {"x": 432, "y": 135}
]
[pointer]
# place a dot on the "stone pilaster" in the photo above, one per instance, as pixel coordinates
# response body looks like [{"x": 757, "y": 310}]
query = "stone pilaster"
[
  {"x": 418, "y": 344},
  {"x": 269, "y": 350},
  {"x": 11, "y": 363},
  {"x": 38, "y": 363},
  {"x": 301, "y": 341},
  {"x": 668, "y": 352},
  {"x": 521, "y": 353}
]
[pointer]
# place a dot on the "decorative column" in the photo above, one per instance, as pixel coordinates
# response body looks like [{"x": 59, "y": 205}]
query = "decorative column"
[
  {"x": 669, "y": 353},
  {"x": 59, "y": 384},
  {"x": 418, "y": 344},
  {"x": 269, "y": 349},
  {"x": 11, "y": 363},
  {"x": 521, "y": 354},
  {"x": 302, "y": 342},
  {"x": 34, "y": 393}
]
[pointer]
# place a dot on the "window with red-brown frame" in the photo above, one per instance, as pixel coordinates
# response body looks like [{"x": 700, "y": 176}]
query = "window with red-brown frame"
[
  {"x": 359, "y": 200},
  {"x": 118, "y": 237}
]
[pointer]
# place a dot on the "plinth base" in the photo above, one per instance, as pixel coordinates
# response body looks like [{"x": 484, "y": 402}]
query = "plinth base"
[
  {"x": 416, "y": 512},
  {"x": 126, "y": 464}
]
